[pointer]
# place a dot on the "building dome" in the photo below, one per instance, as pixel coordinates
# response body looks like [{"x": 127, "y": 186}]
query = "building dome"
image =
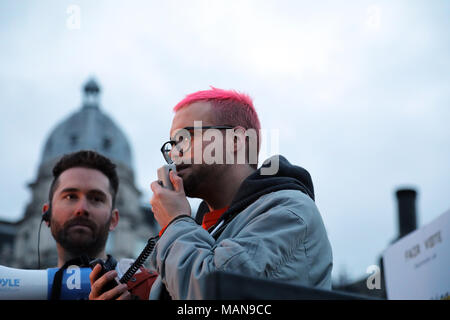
[{"x": 88, "y": 128}]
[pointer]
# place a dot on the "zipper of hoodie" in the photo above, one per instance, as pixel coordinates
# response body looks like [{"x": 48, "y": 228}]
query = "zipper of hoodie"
[{"x": 217, "y": 228}]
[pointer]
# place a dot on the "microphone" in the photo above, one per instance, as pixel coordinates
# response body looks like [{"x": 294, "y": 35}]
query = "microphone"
[{"x": 163, "y": 175}]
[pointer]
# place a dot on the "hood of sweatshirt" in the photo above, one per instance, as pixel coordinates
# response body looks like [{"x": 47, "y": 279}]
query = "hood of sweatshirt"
[{"x": 288, "y": 176}]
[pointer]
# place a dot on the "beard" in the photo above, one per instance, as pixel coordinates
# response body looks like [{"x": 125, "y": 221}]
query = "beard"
[
  {"x": 197, "y": 178},
  {"x": 81, "y": 241}
]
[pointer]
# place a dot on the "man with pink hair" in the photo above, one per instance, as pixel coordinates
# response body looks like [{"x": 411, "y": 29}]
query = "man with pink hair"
[{"x": 249, "y": 222}]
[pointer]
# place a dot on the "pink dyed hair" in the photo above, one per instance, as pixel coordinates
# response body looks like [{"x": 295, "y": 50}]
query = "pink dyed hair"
[
  {"x": 231, "y": 107},
  {"x": 215, "y": 94}
]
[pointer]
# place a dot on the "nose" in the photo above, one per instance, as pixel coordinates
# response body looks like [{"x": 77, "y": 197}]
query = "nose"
[{"x": 82, "y": 208}]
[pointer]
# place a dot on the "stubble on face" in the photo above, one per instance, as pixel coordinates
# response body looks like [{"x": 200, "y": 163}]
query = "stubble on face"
[
  {"x": 81, "y": 235},
  {"x": 197, "y": 178}
]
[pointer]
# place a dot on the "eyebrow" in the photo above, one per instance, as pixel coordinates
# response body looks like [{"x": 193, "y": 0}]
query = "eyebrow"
[
  {"x": 193, "y": 128},
  {"x": 68, "y": 190},
  {"x": 178, "y": 131}
]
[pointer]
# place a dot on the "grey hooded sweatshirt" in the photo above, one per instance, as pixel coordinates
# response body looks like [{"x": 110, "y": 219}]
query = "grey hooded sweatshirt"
[{"x": 272, "y": 230}]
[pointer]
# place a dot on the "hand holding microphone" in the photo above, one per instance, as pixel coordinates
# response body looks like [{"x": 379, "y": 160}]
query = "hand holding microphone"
[{"x": 168, "y": 203}]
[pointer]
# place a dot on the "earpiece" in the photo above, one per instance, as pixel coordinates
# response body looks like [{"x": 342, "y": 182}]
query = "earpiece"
[{"x": 46, "y": 215}]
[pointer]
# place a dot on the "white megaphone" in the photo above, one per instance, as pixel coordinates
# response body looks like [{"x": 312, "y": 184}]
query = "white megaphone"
[{"x": 20, "y": 284}]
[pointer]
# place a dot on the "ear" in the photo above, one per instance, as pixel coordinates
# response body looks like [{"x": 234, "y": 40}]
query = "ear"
[
  {"x": 114, "y": 219},
  {"x": 239, "y": 145},
  {"x": 239, "y": 138}
]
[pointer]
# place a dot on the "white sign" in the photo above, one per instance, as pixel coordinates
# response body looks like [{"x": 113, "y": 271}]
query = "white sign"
[{"x": 418, "y": 265}]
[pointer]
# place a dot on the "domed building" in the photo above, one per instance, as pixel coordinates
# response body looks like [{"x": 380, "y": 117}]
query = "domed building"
[{"x": 87, "y": 128}]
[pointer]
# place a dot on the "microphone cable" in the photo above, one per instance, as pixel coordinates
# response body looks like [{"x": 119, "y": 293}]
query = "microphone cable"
[{"x": 140, "y": 260}]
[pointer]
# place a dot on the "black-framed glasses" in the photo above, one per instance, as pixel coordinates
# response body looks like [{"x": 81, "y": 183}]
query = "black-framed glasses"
[{"x": 182, "y": 141}]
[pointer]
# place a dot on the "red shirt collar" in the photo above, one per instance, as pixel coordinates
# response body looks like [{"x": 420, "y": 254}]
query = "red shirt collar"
[{"x": 210, "y": 218}]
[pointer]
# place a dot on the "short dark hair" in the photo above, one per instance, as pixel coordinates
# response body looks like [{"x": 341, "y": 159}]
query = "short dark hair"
[{"x": 86, "y": 159}]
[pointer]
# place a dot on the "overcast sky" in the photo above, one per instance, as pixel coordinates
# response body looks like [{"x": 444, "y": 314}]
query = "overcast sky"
[{"x": 358, "y": 91}]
